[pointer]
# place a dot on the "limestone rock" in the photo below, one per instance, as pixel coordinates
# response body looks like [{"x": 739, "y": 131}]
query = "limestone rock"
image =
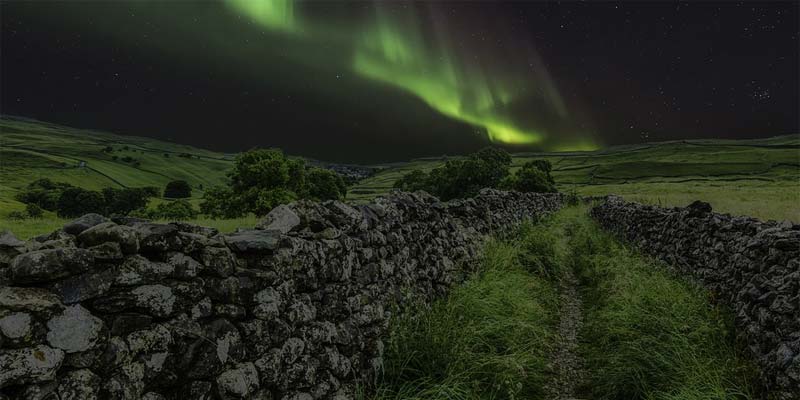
[
  {"x": 254, "y": 241},
  {"x": 157, "y": 299},
  {"x": 47, "y": 265},
  {"x": 110, "y": 232},
  {"x": 81, "y": 384},
  {"x": 28, "y": 299},
  {"x": 77, "y": 226},
  {"x": 29, "y": 365},
  {"x": 218, "y": 260},
  {"x": 76, "y": 329},
  {"x": 281, "y": 218},
  {"x": 240, "y": 381},
  {"x": 16, "y": 325}
]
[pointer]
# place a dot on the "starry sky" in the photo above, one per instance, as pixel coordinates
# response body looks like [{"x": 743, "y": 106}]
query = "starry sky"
[{"x": 366, "y": 82}]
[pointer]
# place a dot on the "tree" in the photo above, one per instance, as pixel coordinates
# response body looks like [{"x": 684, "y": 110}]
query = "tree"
[
  {"x": 463, "y": 177},
  {"x": 178, "y": 190},
  {"x": 43, "y": 192},
  {"x": 269, "y": 199},
  {"x": 220, "y": 202},
  {"x": 325, "y": 184},
  {"x": 76, "y": 201},
  {"x": 413, "y": 181},
  {"x": 530, "y": 178},
  {"x": 173, "y": 210},
  {"x": 33, "y": 210},
  {"x": 545, "y": 166},
  {"x": 264, "y": 178},
  {"x": 123, "y": 201}
]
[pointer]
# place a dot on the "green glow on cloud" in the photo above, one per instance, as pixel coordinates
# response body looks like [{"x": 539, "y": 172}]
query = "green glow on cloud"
[{"x": 393, "y": 49}]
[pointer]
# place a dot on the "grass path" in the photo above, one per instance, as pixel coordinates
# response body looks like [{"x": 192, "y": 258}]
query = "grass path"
[
  {"x": 566, "y": 361},
  {"x": 563, "y": 311}
]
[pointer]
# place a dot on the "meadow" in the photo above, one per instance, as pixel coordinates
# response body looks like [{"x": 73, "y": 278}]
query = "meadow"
[
  {"x": 30, "y": 150},
  {"x": 760, "y": 178}
]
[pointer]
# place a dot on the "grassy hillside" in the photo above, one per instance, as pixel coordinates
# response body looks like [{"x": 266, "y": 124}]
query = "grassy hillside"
[
  {"x": 746, "y": 177},
  {"x": 30, "y": 150}
]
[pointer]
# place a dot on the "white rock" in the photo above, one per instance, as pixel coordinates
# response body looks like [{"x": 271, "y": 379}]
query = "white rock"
[
  {"x": 156, "y": 298},
  {"x": 15, "y": 326},
  {"x": 76, "y": 329}
]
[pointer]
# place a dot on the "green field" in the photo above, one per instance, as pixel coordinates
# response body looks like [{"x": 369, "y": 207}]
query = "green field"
[
  {"x": 31, "y": 150},
  {"x": 760, "y": 178}
]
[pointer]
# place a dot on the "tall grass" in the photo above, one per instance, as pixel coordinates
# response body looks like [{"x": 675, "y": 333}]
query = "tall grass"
[
  {"x": 649, "y": 335},
  {"x": 489, "y": 339}
]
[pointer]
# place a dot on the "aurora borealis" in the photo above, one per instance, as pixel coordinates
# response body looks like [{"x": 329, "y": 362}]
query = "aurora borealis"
[
  {"x": 392, "y": 45},
  {"x": 375, "y": 81}
]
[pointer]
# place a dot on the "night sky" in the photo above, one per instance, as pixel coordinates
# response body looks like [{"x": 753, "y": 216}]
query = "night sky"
[{"x": 379, "y": 81}]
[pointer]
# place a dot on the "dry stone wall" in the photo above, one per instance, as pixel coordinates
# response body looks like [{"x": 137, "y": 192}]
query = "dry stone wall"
[
  {"x": 752, "y": 266},
  {"x": 295, "y": 309}
]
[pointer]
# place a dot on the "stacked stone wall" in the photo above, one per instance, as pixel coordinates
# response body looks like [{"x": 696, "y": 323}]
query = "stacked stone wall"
[
  {"x": 750, "y": 265},
  {"x": 297, "y": 308}
]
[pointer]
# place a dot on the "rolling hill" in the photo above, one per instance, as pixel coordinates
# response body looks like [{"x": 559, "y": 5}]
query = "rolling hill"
[
  {"x": 744, "y": 177},
  {"x": 31, "y": 149}
]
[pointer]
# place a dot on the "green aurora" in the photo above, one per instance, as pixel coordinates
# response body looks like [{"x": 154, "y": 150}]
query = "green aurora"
[{"x": 391, "y": 46}]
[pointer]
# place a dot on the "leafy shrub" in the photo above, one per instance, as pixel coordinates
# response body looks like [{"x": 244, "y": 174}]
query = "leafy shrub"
[
  {"x": 76, "y": 201},
  {"x": 71, "y": 201},
  {"x": 220, "y": 202},
  {"x": 173, "y": 210},
  {"x": 264, "y": 178},
  {"x": 33, "y": 210},
  {"x": 461, "y": 177},
  {"x": 534, "y": 176},
  {"x": 324, "y": 184},
  {"x": 43, "y": 192},
  {"x": 269, "y": 199},
  {"x": 413, "y": 181},
  {"x": 123, "y": 201},
  {"x": 178, "y": 190}
]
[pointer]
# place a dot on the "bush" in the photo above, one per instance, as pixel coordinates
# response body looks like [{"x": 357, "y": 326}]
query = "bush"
[
  {"x": 264, "y": 178},
  {"x": 324, "y": 184},
  {"x": 33, "y": 210},
  {"x": 413, "y": 181},
  {"x": 461, "y": 177},
  {"x": 178, "y": 190},
  {"x": 43, "y": 192},
  {"x": 220, "y": 202},
  {"x": 269, "y": 199},
  {"x": 173, "y": 210},
  {"x": 71, "y": 201},
  {"x": 123, "y": 201},
  {"x": 534, "y": 176},
  {"x": 75, "y": 202}
]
